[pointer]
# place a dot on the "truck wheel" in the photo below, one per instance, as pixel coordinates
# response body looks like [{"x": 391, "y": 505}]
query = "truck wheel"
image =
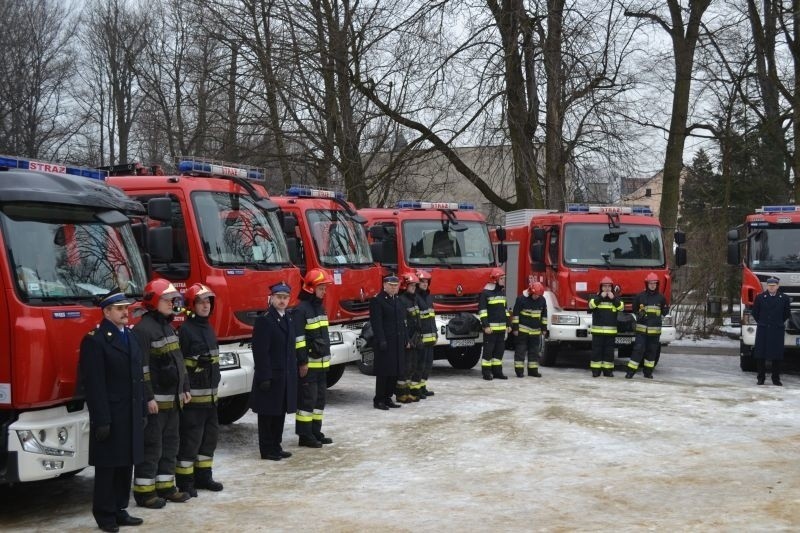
[
  {"x": 746, "y": 361},
  {"x": 365, "y": 365},
  {"x": 232, "y": 408},
  {"x": 549, "y": 353},
  {"x": 466, "y": 358},
  {"x": 333, "y": 375}
]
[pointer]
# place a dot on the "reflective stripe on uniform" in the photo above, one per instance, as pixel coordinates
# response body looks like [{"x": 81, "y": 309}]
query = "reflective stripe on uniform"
[
  {"x": 316, "y": 322},
  {"x": 299, "y": 342},
  {"x": 317, "y": 414},
  {"x": 604, "y": 330},
  {"x": 165, "y": 481},
  {"x": 184, "y": 468},
  {"x": 648, "y": 330},
  {"x": 204, "y": 461},
  {"x": 497, "y": 362},
  {"x": 303, "y": 416},
  {"x": 144, "y": 485}
]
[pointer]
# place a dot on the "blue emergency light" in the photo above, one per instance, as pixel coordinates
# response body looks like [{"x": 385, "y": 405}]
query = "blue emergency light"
[
  {"x": 452, "y": 206},
  {"x": 610, "y": 209},
  {"x": 204, "y": 167},
  {"x": 55, "y": 168},
  {"x": 305, "y": 191},
  {"x": 778, "y": 209}
]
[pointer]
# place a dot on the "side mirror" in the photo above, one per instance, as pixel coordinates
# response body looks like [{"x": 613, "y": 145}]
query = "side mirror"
[
  {"x": 159, "y": 242},
  {"x": 538, "y": 234},
  {"x": 140, "y": 234},
  {"x": 160, "y": 209},
  {"x": 501, "y": 233},
  {"x": 680, "y": 237},
  {"x": 733, "y": 235},
  {"x": 733, "y": 254},
  {"x": 537, "y": 252},
  {"x": 680, "y": 256},
  {"x": 289, "y": 224},
  {"x": 502, "y": 253}
]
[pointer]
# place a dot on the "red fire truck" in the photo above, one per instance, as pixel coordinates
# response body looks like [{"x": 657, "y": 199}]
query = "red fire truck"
[
  {"x": 571, "y": 251},
  {"x": 66, "y": 239},
  {"x": 226, "y": 234},
  {"x": 330, "y": 235},
  {"x": 767, "y": 244},
  {"x": 451, "y": 241}
]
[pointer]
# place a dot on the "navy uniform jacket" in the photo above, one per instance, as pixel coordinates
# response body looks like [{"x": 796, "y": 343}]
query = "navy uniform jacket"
[
  {"x": 275, "y": 359},
  {"x": 111, "y": 374},
  {"x": 770, "y": 313},
  {"x": 387, "y": 315}
]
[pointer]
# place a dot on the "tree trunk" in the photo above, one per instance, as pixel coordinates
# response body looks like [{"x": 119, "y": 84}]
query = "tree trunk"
[{"x": 554, "y": 118}]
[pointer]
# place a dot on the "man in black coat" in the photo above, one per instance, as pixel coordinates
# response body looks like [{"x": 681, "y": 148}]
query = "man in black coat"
[
  {"x": 770, "y": 310},
  {"x": 387, "y": 318},
  {"x": 111, "y": 374},
  {"x": 275, "y": 381}
]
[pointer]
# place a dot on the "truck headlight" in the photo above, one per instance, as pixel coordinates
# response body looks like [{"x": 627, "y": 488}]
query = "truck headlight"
[
  {"x": 228, "y": 360},
  {"x": 335, "y": 337},
  {"x": 564, "y": 320},
  {"x": 30, "y": 444}
]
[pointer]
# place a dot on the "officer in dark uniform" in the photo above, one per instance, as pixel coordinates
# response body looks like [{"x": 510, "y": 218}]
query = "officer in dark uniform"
[
  {"x": 111, "y": 375},
  {"x": 199, "y": 424},
  {"x": 650, "y": 306},
  {"x": 528, "y": 325},
  {"x": 496, "y": 322},
  {"x": 166, "y": 389},
  {"x": 604, "y": 307},
  {"x": 387, "y": 318},
  {"x": 770, "y": 311},
  {"x": 275, "y": 381},
  {"x": 314, "y": 358}
]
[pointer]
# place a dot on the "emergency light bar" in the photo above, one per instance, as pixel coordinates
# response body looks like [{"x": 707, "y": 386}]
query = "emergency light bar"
[
  {"x": 416, "y": 204},
  {"x": 204, "y": 167},
  {"x": 304, "y": 191},
  {"x": 30, "y": 164},
  {"x": 766, "y": 209},
  {"x": 610, "y": 209}
]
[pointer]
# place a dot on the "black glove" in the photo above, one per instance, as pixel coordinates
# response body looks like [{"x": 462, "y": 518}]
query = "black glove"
[
  {"x": 383, "y": 346},
  {"x": 265, "y": 385},
  {"x": 102, "y": 433}
]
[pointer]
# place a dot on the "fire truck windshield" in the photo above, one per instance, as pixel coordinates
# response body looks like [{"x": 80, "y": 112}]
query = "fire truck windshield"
[
  {"x": 235, "y": 232},
  {"x": 630, "y": 245},
  {"x": 774, "y": 249},
  {"x": 427, "y": 242},
  {"x": 337, "y": 239},
  {"x": 64, "y": 254}
]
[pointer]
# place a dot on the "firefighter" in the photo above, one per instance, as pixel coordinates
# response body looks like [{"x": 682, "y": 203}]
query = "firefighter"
[
  {"x": 166, "y": 390},
  {"x": 649, "y": 305},
  {"x": 429, "y": 333},
  {"x": 274, "y": 390},
  {"x": 407, "y": 388},
  {"x": 199, "y": 427},
  {"x": 604, "y": 307},
  {"x": 528, "y": 324},
  {"x": 314, "y": 358},
  {"x": 111, "y": 375},
  {"x": 387, "y": 318},
  {"x": 770, "y": 310},
  {"x": 496, "y": 323}
]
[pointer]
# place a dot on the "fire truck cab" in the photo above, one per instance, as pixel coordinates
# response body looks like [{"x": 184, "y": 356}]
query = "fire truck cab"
[
  {"x": 330, "y": 235},
  {"x": 66, "y": 239},
  {"x": 228, "y": 235},
  {"x": 451, "y": 241},
  {"x": 767, "y": 244},
  {"x": 570, "y": 252}
]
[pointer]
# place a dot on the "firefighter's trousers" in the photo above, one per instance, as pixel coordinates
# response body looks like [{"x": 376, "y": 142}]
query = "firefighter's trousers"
[
  {"x": 156, "y": 473},
  {"x": 311, "y": 391}
]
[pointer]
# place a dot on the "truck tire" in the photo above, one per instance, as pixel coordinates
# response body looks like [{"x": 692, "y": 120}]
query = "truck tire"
[
  {"x": 365, "y": 365},
  {"x": 232, "y": 408},
  {"x": 465, "y": 358},
  {"x": 746, "y": 361},
  {"x": 333, "y": 375},
  {"x": 549, "y": 353}
]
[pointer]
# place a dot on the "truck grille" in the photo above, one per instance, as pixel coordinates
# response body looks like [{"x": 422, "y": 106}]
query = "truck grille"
[
  {"x": 452, "y": 299},
  {"x": 355, "y": 306},
  {"x": 248, "y": 316}
]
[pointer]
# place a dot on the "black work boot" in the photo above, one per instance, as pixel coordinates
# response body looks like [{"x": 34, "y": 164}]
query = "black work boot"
[
  {"x": 534, "y": 372},
  {"x": 498, "y": 374},
  {"x": 648, "y": 373},
  {"x": 309, "y": 442},
  {"x": 776, "y": 380},
  {"x": 185, "y": 483},
  {"x": 427, "y": 391},
  {"x": 487, "y": 373},
  {"x": 595, "y": 373},
  {"x": 629, "y": 374},
  {"x": 608, "y": 373},
  {"x": 322, "y": 438},
  {"x": 520, "y": 373},
  {"x": 760, "y": 379},
  {"x": 204, "y": 479}
]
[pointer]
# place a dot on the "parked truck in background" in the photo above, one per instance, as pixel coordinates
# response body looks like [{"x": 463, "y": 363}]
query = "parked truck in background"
[
  {"x": 451, "y": 241},
  {"x": 227, "y": 234},
  {"x": 330, "y": 235},
  {"x": 571, "y": 251},
  {"x": 66, "y": 239},
  {"x": 767, "y": 244}
]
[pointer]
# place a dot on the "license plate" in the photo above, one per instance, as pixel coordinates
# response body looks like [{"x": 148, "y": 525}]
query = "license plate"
[
  {"x": 624, "y": 340},
  {"x": 456, "y": 343}
]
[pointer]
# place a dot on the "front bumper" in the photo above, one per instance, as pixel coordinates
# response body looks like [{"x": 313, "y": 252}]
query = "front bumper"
[
  {"x": 446, "y": 338},
  {"x": 236, "y": 370},
  {"x": 344, "y": 347}
]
